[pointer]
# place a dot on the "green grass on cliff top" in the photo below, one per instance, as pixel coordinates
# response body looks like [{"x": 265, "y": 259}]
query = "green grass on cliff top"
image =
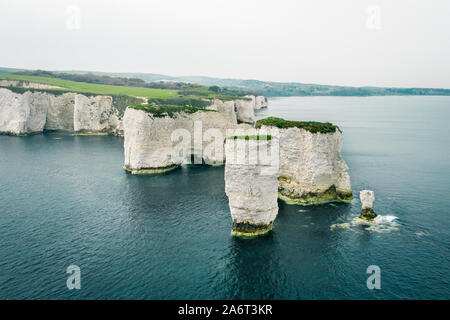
[
  {"x": 83, "y": 87},
  {"x": 166, "y": 110},
  {"x": 311, "y": 126}
]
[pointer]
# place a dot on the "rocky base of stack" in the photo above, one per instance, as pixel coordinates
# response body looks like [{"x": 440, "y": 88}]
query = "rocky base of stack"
[
  {"x": 150, "y": 170},
  {"x": 291, "y": 192},
  {"x": 367, "y": 214},
  {"x": 252, "y": 215},
  {"x": 246, "y": 229}
]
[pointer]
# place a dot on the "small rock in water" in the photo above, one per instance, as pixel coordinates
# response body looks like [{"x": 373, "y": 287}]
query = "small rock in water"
[{"x": 367, "y": 197}]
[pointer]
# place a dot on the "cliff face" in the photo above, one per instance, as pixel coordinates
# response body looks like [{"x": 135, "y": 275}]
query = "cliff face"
[
  {"x": 148, "y": 142},
  {"x": 95, "y": 115},
  {"x": 251, "y": 186},
  {"x": 242, "y": 110},
  {"x": 260, "y": 102},
  {"x": 33, "y": 112},
  {"x": 227, "y": 108},
  {"x": 245, "y": 109},
  {"x": 311, "y": 167},
  {"x": 22, "y": 113},
  {"x": 60, "y": 112}
]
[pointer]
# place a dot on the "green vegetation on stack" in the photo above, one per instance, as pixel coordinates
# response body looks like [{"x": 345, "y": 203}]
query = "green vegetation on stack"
[
  {"x": 166, "y": 110},
  {"x": 311, "y": 126}
]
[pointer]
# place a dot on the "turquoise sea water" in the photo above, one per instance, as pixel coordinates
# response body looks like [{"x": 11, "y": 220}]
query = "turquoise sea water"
[{"x": 66, "y": 200}]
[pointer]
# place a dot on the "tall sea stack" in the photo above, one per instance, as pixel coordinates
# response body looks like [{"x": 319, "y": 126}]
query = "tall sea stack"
[
  {"x": 312, "y": 169},
  {"x": 251, "y": 183}
]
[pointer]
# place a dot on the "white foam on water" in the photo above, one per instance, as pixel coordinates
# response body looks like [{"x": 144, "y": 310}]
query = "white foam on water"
[
  {"x": 381, "y": 224},
  {"x": 384, "y": 219},
  {"x": 345, "y": 225}
]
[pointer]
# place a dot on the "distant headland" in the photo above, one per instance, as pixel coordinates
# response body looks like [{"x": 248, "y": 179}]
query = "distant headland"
[{"x": 256, "y": 87}]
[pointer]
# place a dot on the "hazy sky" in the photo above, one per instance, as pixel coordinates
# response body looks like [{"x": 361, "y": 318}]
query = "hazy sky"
[{"x": 348, "y": 42}]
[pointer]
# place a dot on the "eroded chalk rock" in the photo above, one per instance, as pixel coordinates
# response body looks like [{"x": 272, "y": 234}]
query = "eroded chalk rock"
[
  {"x": 312, "y": 169},
  {"x": 251, "y": 185},
  {"x": 367, "y": 198},
  {"x": 22, "y": 114},
  {"x": 245, "y": 109},
  {"x": 34, "y": 111},
  {"x": 149, "y": 145},
  {"x": 92, "y": 114},
  {"x": 60, "y": 112},
  {"x": 260, "y": 102},
  {"x": 227, "y": 108}
]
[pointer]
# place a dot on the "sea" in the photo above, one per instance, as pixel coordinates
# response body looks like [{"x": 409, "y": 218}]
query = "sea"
[{"x": 66, "y": 201}]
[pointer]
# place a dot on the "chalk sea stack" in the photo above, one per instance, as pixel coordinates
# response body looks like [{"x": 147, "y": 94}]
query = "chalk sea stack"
[
  {"x": 29, "y": 108},
  {"x": 260, "y": 102},
  {"x": 312, "y": 169},
  {"x": 148, "y": 130},
  {"x": 367, "y": 198},
  {"x": 251, "y": 184},
  {"x": 245, "y": 109}
]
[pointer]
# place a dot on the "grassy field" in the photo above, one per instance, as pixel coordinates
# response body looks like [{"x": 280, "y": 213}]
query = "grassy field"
[{"x": 83, "y": 87}]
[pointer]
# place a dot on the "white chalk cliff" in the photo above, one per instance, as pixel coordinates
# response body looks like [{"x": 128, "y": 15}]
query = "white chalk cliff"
[
  {"x": 245, "y": 109},
  {"x": 251, "y": 186},
  {"x": 60, "y": 112},
  {"x": 35, "y": 111},
  {"x": 148, "y": 144},
  {"x": 22, "y": 113},
  {"x": 312, "y": 169},
  {"x": 227, "y": 108},
  {"x": 260, "y": 102},
  {"x": 242, "y": 110},
  {"x": 95, "y": 115}
]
